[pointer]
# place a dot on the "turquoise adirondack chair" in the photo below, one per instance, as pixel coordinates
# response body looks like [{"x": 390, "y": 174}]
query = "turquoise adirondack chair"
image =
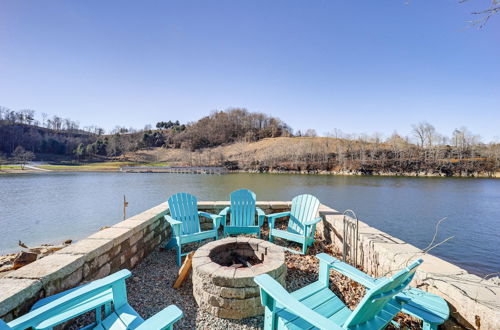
[
  {"x": 302, "y": 223},
  {"x": 242, "y": 214},
  {"x": 185, "y": 222},
  {"x": 109, "y": 292},
  {"x": 316, "y": 306}
]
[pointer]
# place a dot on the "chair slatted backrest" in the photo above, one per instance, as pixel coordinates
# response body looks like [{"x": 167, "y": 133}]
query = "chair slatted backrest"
[
  {"x": 304, "y": 208},
  {"x": 184, "y": 208},
  {"x": 243, "y": 208},
  {"x": 377, "y": 298}
]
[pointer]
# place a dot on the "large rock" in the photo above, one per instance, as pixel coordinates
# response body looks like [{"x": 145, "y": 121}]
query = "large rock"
[{"x": 24, "y": 258}]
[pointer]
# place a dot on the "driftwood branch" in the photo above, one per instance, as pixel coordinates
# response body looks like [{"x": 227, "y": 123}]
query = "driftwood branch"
[{"x": 425, "y": 251}]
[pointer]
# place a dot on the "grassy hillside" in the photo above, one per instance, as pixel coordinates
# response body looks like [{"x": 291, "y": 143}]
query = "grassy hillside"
[{"x": 315, "y": 154}]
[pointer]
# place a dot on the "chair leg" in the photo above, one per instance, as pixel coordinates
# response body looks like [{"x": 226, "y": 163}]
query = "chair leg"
[
  {"x": 428, "y": 326},
  {"x": 107, "y": 310},
  {"x": 304, "y": 248},
  {"x": 270, "y": 319},
  {"x": 270, "y": 236},
  {"x": 171, "y": 243},
  {"x": 178, "y": 255}
]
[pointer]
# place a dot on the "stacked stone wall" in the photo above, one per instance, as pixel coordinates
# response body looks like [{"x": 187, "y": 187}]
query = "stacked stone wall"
[
  {"x": 474, "y": 302},
  {"x": 107, "y": 251},
  {"x": 121, "y": 246}
]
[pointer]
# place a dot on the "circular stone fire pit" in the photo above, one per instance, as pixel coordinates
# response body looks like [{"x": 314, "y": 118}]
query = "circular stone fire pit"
[{"x": 223, "y": 273}]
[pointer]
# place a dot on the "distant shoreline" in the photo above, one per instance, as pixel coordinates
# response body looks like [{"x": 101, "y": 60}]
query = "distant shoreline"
[
  {"x": 384, "y": 174},
  {"x": 115, "y": 167}
]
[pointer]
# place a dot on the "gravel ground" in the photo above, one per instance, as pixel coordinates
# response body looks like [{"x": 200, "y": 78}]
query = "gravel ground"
[{"x": 150, "y": 289}]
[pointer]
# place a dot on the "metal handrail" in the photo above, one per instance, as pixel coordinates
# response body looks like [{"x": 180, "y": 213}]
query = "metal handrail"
[{"x": 350, "y": 238}]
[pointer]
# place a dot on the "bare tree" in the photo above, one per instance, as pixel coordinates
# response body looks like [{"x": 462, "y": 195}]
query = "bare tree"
[
  {"x": 57, "y": 123},
  {"x": 4, "y": 113},
  {"x": 423, "y": 132},
  {"x": 484, "y": 15},
  {"x": 27, "y": 115},
  {"x": 22, "y": 156},
  {"x": 430, "y": 134},
  {"x": 68, "y": 124},
  {"x": 311, "y": 133},
  {"x": 464, "y": 141},
  {"x": 44, "y": 119},
  {"x": 3, "y": 160}
]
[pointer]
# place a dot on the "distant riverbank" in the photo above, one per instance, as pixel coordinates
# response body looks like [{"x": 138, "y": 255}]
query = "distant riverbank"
[
  {"x": 388, "y": 174},
  {"x": 82, "y": 167},
  {"x": 115, "y": 167}
]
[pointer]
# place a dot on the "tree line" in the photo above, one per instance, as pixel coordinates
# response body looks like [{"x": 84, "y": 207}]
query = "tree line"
[
  {"x": 230, "y": 138},
  {"x": 349, "y": 154},
  {"x": 220, "y": 127},
  {"x": 55, "y": 135}
]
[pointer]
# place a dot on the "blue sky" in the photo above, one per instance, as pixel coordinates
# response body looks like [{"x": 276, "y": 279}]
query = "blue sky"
[{"x": 359, "y": 66}]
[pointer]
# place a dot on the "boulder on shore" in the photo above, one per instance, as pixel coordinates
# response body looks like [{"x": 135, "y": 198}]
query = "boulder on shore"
[{"x": 14, "y": 261}]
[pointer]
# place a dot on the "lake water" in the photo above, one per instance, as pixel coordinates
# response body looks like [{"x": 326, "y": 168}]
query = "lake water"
[{"x": 52, "y": 207}]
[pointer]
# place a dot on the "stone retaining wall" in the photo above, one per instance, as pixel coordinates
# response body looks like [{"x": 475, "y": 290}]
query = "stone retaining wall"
[
  {"x": 474, "y": 302},
  {"x": 107, "y": 251}
]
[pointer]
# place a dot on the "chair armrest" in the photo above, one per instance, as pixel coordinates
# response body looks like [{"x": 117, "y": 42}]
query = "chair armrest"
[
  {"x": 312, "y": 222},
  {"x": 260, "y": 216},
  {"x": 278, "y": 215},
  {"x": 172, "y": 221},
  {"x": 208, "y": 215},
  {"x": 225, "y": 211},
  {"x": 175, "y": 224},
  {"x": 163, "y": 319},
  {"x": 274, "y": 216},
  {"x": 223, "y": 214},
  {"x": 272, "y": 288},
  {"x": 215, "y": 218},
  {"x": 424, "y": 305},
  {"x": 347, "y": 270}
]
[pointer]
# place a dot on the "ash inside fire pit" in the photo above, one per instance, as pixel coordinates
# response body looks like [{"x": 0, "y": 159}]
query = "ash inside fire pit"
[{"x": 237, "y": 256}]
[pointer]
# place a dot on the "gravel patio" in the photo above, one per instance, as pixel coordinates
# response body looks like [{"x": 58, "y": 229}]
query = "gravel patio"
[{"x": 150, "y": 289}]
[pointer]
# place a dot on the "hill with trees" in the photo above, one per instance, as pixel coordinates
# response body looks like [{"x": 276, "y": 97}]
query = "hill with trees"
[{"x": 249, "y": 141}]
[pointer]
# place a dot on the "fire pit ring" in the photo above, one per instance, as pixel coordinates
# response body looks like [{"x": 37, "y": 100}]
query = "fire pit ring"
[{"x": 223, "y": 273}]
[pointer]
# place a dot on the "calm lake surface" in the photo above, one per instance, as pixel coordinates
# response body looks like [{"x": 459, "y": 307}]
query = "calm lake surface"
[{"x": 53, "y": 207}]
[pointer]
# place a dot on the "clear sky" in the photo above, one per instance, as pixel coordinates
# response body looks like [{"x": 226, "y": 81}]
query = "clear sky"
[{"x": 359, "y": 66}]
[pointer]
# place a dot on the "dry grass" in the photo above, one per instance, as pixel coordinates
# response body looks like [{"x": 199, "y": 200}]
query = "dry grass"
[{"x": 260, "y": 151}]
